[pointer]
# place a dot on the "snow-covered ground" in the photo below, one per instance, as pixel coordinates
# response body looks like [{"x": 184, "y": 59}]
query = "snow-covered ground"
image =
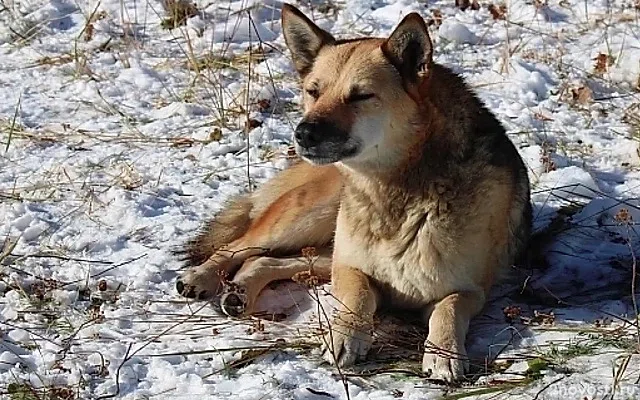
[{"x": 118, "y": 137}]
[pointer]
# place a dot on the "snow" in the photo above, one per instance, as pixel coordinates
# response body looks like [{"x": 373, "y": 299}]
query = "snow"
[
  {"x": 114, "y": 148},
  {"x": 456, "y": 32}
]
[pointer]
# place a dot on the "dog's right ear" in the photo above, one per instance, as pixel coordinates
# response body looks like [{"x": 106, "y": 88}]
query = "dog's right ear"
[{"x": 304, "y": 38}]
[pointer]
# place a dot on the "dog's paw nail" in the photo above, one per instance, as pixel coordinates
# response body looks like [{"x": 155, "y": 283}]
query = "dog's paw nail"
[{"x": 185, "y": 290}]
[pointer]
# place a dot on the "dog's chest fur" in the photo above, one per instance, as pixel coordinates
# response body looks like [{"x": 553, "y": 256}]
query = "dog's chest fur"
[{"x": 407, "y": 242}]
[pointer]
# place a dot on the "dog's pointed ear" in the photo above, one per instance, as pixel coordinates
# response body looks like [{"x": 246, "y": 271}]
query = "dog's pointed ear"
[
  {"x": 304, "y": 38},
  {"x": 409, "y": 48}
]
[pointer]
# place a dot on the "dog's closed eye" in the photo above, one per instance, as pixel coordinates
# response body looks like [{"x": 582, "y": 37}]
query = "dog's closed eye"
[
  {"x": 357, "y": 97},
  {"x": 313, "y": 93}
]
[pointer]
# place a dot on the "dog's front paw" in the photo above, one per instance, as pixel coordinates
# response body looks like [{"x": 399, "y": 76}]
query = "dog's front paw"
[
  {"x": 347, "y": 341},
  {"x": 201, "y": 282},
  {"x": 445, "y": 360}
]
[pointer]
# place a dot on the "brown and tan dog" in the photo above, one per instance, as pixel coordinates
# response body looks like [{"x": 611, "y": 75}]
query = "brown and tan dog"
[{"x": 412, "y": 193}]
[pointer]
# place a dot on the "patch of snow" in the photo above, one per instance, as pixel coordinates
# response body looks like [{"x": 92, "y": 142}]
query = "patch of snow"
[{"x": 457, "y": 32}]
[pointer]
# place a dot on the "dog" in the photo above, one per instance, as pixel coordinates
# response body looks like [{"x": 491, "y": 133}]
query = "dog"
[{"x": 409, "y": 190}]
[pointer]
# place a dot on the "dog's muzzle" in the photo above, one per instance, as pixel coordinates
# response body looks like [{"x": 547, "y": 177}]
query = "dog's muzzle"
[{"x": 322, "y": 142}]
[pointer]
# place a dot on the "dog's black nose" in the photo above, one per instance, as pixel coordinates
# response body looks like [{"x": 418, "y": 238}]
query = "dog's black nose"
[{"x": 307, "y": 134}]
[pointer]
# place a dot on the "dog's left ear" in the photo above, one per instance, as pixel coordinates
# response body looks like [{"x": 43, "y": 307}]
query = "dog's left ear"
[{"x": 409, "y": 48}]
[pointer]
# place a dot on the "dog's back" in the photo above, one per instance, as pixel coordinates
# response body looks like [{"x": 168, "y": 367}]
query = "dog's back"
[{"x": 479, "y": 147}]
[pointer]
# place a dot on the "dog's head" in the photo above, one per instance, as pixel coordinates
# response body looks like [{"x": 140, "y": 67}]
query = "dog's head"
[{"x": 357, "y": 93}]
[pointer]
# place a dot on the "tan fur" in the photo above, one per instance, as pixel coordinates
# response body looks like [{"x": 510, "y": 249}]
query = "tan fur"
[
  {"x": 297, "y": 209},
  {"x": 428, "y": 198}
]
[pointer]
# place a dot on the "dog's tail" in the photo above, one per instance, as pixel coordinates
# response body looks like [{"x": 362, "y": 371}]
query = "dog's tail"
[{"x": 228, "y": 225}]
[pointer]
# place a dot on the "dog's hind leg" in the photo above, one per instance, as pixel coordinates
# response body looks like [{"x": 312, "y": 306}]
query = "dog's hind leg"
[
  {"x": 227, "y": 226},
  {"x": 240, "y": 294},
  {"x": 296, "y": 209}
]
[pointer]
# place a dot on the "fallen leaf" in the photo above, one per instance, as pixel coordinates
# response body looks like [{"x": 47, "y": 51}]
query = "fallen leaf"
[
  {"x": 498, "y": 12},
  {"x": 437, "y": 18},
  {"x": 89, "y": 30},
  {"x": 264, "y": 105},
  {"x": 540, "y": 3},
  {"x": 215, "y": 135},
  {"x": 582, "y": 95},
  {"x": 464, "y": 4},
  {"x": 603, "y": 62},
  {"x": 252, "y": 124}
]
